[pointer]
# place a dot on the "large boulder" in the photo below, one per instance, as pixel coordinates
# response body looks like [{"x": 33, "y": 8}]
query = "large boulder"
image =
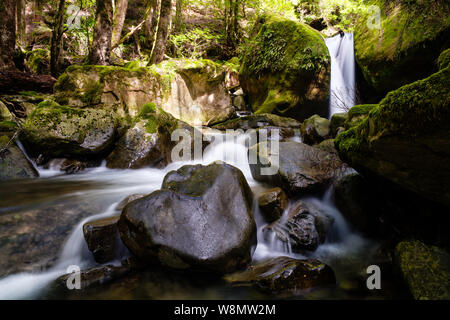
[
  {"x": 286, "y": 69},
  {"x": 406, "y": 138},
  {"x": 284, "y": 275},
  {"x": 193, "y": 91},
  {"x": 304, "y": 227},
  {"x": 57, "y": 131},
  {"x": 300, "y": 169},
  {"x": 426, "y": 270},
  {"x": 102, "y": 238},
  {"x": 191, "y": 222},
  {"x": 257, "y": 121},
  {"x": 406, "y": 47},
  {"x": 149, "y": 141}
]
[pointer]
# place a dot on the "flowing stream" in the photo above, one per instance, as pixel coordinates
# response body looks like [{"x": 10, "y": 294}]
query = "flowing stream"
[
  {"x": 104, "y": 188},
  {"x": 342, "y": 83}
]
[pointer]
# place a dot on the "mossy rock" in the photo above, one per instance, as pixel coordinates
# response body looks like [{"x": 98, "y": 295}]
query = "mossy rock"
[
  {"x": 315, "y": 129},
  {"x": 60, "y": 131},
  {"x": 5, "y": 115},
  {"x": 426, "y": 270},
  {"x": 286, "y": 69},
  {"x": 357, "y": 113},
  {"x": 405, "y": 139},
  {"x": 444, "y": 59},
  {"x": 337, "y": 121},
  {"x": 38, "y": 61},
  {"x": 412, "y": 35},
  {"x": 148, "y": 142},
  {"x": 255, "y": 121},
  {"x": 193, "y": 91}
]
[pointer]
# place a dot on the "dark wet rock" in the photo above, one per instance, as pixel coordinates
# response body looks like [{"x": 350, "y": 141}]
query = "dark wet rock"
[
  {"x": 13, "y": 162},
  {"x": 301, "y": 168},
  {"x": 426, "y": 270},
  {"x": 256, "y": 121},
  {"x": 285, "y": 275},
  {"x": 304, "y": 227},
  {"x": 328, "y": 146},
  {"x": 148, "y": 143},
  {"x": 315, "y": 129},
  {"x": 405, "y": 139},
  {"x": 102, "y": 237},
  {"x": 31, "y": 240},
  {"x": 93, "y": 276},
  {"x": 128, "y": 199},
  {"x": 272, "y": 203},
  {"x": 239, "y": 103},
  {"x": 73, "y": 166},
  {"x": 360, "y": 203},
  {"x": 191, "y": 222}
]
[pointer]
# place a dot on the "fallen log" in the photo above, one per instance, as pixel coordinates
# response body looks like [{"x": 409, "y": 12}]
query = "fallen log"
[{"x": 12, "y": 81}]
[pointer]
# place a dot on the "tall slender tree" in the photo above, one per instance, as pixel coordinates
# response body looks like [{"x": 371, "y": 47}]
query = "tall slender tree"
[
  {"x": 159, "y": 48},
  {"x": 56, "y": 41},
  {"x": 20, "y": 22},
  {"x": 101, "y": 45},
  {"x": 118, "y": 21},
  {"x": 151, "y": 24},
  {"x": 178, "y": 15},
  {"x": 7, "y": 33}
]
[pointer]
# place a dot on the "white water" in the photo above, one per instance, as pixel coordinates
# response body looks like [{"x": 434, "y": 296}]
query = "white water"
[
  {"x": 342, "y": 83},
  {"x": 115, "y": 185}
]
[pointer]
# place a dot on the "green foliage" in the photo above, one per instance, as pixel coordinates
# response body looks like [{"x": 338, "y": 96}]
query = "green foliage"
[
  {"x": 146, "y": 110},
  {"x": 194, "y": 44}
]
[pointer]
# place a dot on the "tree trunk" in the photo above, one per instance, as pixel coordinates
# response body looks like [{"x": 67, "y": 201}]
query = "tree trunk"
[
  {"x": 178, "y": 16},
  {"x": 56, "y": 41},
  {"x": 151, "y": 24},
  {"x": 7, "y": 33},
  {"x": 20, "y": 22},
  {"x": 235, "y": 21},
  {"x": 163, "y": 31},
  {"x": 101, "y": 45},
  {"x": 13, "y": 81},
  {"x": 118, "y": 21}
]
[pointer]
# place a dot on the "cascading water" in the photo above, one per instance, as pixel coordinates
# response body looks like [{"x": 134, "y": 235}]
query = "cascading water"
[
  {"x": 342, "y": 83},
  {"x": 110, "y": 186}
]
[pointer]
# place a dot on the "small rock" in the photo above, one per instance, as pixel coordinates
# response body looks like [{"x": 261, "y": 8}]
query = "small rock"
[
  {"x": 94, "y": 276},
  {"x": 239, "y": 103},
  {"x": 73, "y": 166},
  {"x": 272, "y": 203},
  {"x": 284, "y": 275},
  {"x": 102, "y": 237},
  {"x": 337, "y": 121},
  {"x": 304, "y": 228},
  {"x": 315, "y": 129}
]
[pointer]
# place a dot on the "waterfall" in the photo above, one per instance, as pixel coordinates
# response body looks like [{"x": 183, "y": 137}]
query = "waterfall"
[{"x": 342, "y": 84}]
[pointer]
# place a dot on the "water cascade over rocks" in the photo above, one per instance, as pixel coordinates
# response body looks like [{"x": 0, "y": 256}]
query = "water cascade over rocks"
[{"x": 107, "y": 187}]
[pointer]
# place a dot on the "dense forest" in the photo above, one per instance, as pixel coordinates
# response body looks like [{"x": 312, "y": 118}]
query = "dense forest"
[{"x": 216, "y": 149}]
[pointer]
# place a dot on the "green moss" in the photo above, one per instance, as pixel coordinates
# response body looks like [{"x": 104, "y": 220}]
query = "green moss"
[
  {"x": 444, "y": 59},
  {"x": 284, "y": 45},
  {"x": 405, "y": 49},
  {"x": 8, "y": 126},
  {"x": 147, "y": 109},
  {"x": 39, "y": 61},
  {"x": 362, "y": 109},
  {"x": 29, "y": 93},
  {"x": 47, "y": 104}
]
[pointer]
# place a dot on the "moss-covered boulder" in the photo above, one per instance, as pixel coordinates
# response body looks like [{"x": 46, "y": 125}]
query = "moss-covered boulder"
[
  {"x": 148, "y": 143},
  {"x": 426, "y": 270},
  {"x": 405, "y": 49},
  {"x": 406, "y": 138},
  {"x": 13, "y": 162},
  {"x": 59, "y": 131},
  {"x": 38, "y": 61},
  {"x": 193, "y": 91},
  {"x": 286, "y": 69},
  {"x": 284, "y": 275}
]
